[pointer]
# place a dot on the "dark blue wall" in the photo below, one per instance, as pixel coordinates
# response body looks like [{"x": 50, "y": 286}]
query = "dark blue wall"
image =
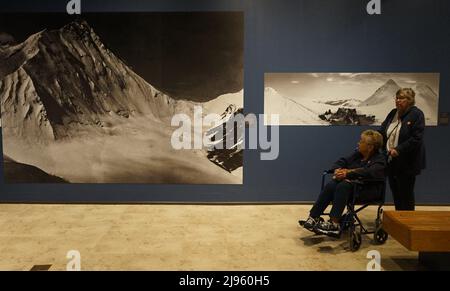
[{"x": 294, "y": 36}]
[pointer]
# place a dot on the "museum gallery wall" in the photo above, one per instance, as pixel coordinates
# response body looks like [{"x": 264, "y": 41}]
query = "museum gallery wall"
[{"x": 88, "y": 101}]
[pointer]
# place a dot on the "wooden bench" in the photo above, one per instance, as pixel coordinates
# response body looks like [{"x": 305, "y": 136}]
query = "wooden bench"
[{"x": 427, "y": 232}]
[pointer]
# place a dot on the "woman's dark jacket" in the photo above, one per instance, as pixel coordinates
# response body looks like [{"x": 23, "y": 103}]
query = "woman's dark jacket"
[
  {"x": 411, "y": 149},
  {"x": 371, "y": 172}
]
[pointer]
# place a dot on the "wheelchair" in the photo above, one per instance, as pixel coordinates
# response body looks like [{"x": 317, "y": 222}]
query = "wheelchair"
[{"x": 350, "y": 221}]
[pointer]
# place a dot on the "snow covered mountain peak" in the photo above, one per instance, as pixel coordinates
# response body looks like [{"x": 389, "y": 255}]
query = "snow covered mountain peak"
[
  {"x": 427, "y": 100},
  {"x": 77, "y": 24},
  {"x": 58, "y": 80},
  {"x": 390, "y": 82},
  {"x": 270, "y": 90},
  {"x": 383, "y": 94},
  {"x": 12, "y": 57},
  {"x": 423, "y": 88}
]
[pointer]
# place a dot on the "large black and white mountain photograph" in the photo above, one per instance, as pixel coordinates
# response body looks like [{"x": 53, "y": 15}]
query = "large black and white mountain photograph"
[
  {"x": 89, "y": 99},
  {"x": 346, "y": 98}
]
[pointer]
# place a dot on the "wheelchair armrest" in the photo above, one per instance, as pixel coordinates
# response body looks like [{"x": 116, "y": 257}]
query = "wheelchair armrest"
[
  {"x": 362, "y": 182},
  {"x": 374, "y": 180},
  {"x": 356, "y": 182}
]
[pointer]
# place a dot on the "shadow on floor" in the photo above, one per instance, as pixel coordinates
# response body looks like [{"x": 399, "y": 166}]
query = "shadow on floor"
[
  {"x": 333, "y": 245},
  {"x": 328, "y": 245},
  {"x": 313, "y": 240}
]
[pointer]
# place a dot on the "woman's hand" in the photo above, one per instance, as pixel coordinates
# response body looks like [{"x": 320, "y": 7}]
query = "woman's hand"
[
  {"x": 393, "y": 153},
  {"x": 340, "y": 174}
]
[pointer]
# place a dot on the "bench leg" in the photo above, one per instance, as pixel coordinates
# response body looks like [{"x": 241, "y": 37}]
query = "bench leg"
[{"x": 435, "y": 261}]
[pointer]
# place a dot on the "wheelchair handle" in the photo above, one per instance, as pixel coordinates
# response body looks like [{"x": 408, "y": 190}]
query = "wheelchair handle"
[{"x": 325, "y": 172}]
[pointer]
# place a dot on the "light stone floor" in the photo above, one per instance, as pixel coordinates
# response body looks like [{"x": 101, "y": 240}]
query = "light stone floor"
[{"x": 181, "y": 237}]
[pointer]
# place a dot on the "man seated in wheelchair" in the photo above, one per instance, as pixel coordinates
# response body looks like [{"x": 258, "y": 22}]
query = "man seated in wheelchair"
[{"x": 368, "y": 163}]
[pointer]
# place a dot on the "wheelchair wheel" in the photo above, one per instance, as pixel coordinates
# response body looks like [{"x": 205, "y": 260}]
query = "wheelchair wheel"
[
  {"x": 380, "y": 236},
  {"x": 354, "y": 240}
]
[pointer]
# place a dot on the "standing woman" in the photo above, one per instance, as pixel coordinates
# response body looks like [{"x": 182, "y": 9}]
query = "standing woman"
[{"x": 403, "y": 131}]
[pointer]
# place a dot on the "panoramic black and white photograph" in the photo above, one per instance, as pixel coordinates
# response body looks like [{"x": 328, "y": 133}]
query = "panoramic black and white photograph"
[
  {"x": 346, "y": 98},
  {"x": 90, "y": 98}
]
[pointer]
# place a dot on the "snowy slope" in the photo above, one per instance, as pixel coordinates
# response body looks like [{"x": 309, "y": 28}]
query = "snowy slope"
[
  {"x": 76, "y": 81},
  {"x": 221, "y": 103},
  {"x": 344, "y": 102},
  {"x": 427, "y": 101},
  {"x": 23, "y": 112},
  {"x": 382, "y": 94},
  {"x": 14, "y": 56},
  {"x": 291, "y": 112}
]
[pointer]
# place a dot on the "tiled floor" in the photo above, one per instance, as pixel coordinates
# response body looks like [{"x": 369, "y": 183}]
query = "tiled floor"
[{"x": 181, "y": 237}]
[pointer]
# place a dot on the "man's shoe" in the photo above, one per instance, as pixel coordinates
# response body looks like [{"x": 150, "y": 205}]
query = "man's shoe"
[
  {"x": 328, "y": 228},
  {"x": 310, "y": 223}
]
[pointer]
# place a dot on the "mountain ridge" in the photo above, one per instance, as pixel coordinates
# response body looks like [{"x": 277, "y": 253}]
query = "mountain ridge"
[{"x": 76, "y": 80}]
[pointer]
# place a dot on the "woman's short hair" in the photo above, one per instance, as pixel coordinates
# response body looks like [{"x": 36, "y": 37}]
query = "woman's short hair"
[
  {"x": 408, "y": 93},
  {"x": 374, "y": 138}
]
